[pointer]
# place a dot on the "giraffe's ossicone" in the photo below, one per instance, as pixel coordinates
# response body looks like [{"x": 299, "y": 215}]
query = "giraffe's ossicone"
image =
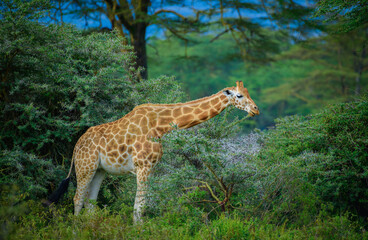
[{"x": 127, "y": 146}]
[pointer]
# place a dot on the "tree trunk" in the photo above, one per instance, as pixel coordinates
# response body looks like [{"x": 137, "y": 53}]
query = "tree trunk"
[
  {"x": 139, "y": 45},
  {"x": 135, "y": 22},
  {"x": 357, "y": 82},
  {"x": 342, "y": 78},
  {"x": 359, "y": 70},
  {"x": 343, "y": 86}
]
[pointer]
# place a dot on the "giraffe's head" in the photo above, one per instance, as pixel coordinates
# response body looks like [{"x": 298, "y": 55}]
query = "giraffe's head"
[{"x": 239, "y": 97}]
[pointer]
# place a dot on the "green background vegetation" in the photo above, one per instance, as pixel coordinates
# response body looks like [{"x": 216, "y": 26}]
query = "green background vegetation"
[{"x": 299, "y": 172}]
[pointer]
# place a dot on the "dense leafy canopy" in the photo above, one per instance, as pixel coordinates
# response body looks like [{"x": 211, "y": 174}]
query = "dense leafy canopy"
[{"x": 348, "y": 15}]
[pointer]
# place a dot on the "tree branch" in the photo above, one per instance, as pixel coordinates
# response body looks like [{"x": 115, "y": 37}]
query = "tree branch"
[
  {"x": 121, "y": 13},
  {"x": 154, "y": 48},
  {"x": 169, "y": 11},
  {"x": 219, "y": 35},
  {"x": 177, "y": 34},
  {"x": 211, "y": 192}
]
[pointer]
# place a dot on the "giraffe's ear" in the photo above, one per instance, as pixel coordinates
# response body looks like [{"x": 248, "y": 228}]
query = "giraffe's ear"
[{"x": 228, "y": 92}]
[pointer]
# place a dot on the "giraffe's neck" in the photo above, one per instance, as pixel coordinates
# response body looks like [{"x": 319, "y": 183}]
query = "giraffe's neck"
[
  {"x": 185, "y": 115},
  {"x": 201, "y": 110}
]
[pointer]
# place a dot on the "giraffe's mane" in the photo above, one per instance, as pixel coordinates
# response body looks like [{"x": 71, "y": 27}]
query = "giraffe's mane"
[{"x": 179, "y": 104}]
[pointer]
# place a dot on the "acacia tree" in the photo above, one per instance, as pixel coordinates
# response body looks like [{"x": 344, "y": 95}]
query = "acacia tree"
[
  {"x": 131, "y": 19},
  {"x": 348, "y": 14},
  {"x": 245, "y": 20},
  {"x": 336, "y": 67}
]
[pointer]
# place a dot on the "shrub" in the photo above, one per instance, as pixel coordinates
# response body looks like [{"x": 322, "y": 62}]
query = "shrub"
[
  {"x": 29, "y": 173},
  {"x": 324, "y": 153},
  {"x": 198, "y": 172},
  {"x": 56, "y": 80},
  {"x": 226, "y": 228}
]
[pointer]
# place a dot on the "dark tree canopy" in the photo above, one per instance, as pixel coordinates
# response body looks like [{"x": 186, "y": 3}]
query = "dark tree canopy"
[
  {"x": 244, "y": 20},
  {"x": 348, "y": 15}
]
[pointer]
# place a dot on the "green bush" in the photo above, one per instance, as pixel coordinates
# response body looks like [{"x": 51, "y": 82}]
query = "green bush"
[
  {"x": 327, "y": 151},
  {"x": 30, "y": 174},
  {"x": 226, "y": 228},
  {"x": 198, "y": 171},
  {"x": 36, "y": 223},
  {"x": 57, "y": 81}
]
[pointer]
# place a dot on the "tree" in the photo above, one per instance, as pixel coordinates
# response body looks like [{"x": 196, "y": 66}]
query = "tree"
[
  {"x": 342, "y": 59},
  {"x": 132, "y": 18},
  {"x": 244, "y": 20},
  {"x": 321, "y": 71},
  {"x": 348, "y": 14}
]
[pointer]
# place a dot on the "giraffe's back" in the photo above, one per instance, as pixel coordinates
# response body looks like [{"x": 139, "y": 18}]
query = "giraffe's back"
[{"x": 120, "y": 146}]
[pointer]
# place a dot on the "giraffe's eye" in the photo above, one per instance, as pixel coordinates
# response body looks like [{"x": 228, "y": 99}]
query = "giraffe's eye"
[{"x": 239, "y": 96}]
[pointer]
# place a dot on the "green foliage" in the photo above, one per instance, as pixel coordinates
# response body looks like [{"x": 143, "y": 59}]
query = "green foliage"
[
  {"x": 349, "y": 15},
  {"x": 57, "y": 82},
  {"x": 207, "y": 173},
  {"x": 292, "y": 189},
  {"x": 337, "y": 72},
  {"x": 105, "y": 224},
  {"x": 12, "y": 207},
  {"x": 330, "y": 151},
  {"x": 30, "y": 174},
  {"x": 162, "y": 89},
  {"x": 227, "y": 228},
  {"x": 205, "y": 68}
]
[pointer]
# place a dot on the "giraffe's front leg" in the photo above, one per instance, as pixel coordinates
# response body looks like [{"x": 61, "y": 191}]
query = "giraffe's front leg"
[{"x": 142, "y": 177}]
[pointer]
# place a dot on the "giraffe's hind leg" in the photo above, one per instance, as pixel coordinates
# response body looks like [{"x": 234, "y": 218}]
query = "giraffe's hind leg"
[
  {"x": 94, "y": 188},
  {"x": 86, "y": 162},
  {"x": 85, "y": 175},
  {"x": 83, "y": 182}
]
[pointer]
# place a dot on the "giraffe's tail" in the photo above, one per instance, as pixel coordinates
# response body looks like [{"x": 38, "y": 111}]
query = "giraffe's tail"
[
  {"x": 61, "y": 190},
  {"x": 58, "y": 193}
]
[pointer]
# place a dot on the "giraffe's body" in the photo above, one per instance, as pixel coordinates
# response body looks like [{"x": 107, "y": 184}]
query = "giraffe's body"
[{"x": 127, "y": 145}]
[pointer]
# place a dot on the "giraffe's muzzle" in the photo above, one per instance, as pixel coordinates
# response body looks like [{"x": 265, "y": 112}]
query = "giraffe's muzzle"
[{"x": 253, "y": 113}]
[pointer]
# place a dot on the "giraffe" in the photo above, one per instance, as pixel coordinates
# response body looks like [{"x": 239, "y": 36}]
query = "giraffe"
[{"x": 126, "y": 145}]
